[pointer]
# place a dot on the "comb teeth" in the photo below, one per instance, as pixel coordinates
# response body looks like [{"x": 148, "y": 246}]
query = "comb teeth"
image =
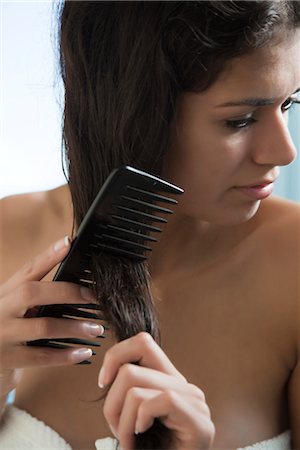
[
  {"x": 120, "y": 222},
  {"x": 152, "y": 195},
  {"x": 125, "y": 247},
  {"x": 122, "y": 252},
  {"x": 134, "y": 234},
  {"x": 125, "y": 241},
  {"x": 136, "y": 224},
  {"x": 126, "y": 229},
  {"x": 140, "y": 214},
  {"x": 147, "y": 205},
  {"x": 159, "y": 184},
  {"x": 86, "y": 280}
]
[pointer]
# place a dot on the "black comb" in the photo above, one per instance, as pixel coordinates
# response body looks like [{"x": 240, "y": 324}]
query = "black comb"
[{"x": 121, "y": 221}]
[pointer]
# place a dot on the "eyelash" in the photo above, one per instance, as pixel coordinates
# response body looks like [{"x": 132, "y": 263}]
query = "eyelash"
[
  {"x": 289, "y": 103},
  {"x": 238, "y": 124},
  {"x": 245, "y": 122}
]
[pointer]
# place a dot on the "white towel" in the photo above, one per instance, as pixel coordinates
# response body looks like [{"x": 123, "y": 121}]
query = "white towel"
[{"x": 20, "y": 431}]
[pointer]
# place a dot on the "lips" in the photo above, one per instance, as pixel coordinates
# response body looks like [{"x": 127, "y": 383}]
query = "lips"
[
  {"x": 257, "y": 191},
  {"x": 259, "y": 183}
]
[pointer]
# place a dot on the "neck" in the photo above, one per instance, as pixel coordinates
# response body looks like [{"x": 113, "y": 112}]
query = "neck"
[
  {"x": 59, "y": 199},
  {"x": 187, "y": 243}
]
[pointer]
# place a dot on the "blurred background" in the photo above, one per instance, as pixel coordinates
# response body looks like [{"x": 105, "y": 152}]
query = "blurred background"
[{"x": 31, "y": 99}]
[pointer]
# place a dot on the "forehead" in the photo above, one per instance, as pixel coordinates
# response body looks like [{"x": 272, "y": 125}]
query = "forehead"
[{"x": 269, "y": 72}]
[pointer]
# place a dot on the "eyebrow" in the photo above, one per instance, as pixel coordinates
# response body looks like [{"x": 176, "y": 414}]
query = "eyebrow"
[{"x": 252, "y": 101}]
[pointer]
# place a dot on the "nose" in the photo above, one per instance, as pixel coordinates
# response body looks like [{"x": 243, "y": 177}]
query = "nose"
[{"x": 273, "y": 143}]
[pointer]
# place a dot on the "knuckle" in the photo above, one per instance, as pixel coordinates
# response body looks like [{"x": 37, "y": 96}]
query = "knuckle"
[
  {"x": 206, "y": 410},
  {"x": 171, "y": 397},
  {"x": 28, "y": 268},
  {"x": 134, "y": 394},
  {"x": 196, "y": 392},
  {"x": 145, "y": 339},
  {"x": 208, "y": 433},
  {"x": 127, "y": 371},
  {"x": 146, "y": 342}
]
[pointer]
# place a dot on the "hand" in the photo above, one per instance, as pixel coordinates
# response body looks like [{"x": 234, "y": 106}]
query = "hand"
[
  {"x": 145, "y": 385},
  {"x": 21, "y": 294}
]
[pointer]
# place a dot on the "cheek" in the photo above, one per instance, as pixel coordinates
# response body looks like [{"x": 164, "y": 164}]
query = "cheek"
[{"x": 202, "y": 162}]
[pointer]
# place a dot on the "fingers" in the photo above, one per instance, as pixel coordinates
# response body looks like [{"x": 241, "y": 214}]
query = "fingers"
[
  {"x": 24, "y": 293},
  {"x": 146, "y": 386},
  {"x": 24, "y": 356},
  {"x": 15, "y": 352},
  {"x": 141, "y": 349},
  {"x": 184, "y": 412},
  {"x": 126, "y": 427},
  {"x": 39, "y": 266},
  {"x": 131, "y": 376},
  {"x": 187, "y": 415},
  {"x": 25, "y": 330},
  {"x": 37, "y": 293},
  {"x": 174, "y": 408}
]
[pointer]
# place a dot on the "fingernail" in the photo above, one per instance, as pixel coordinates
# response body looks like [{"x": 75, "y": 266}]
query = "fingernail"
[
  {"x": 101, "y": 379},
  {"x": 62, "y": 243},
  {"x": 93, "y": 329},
  {"x": 81, "y": 354},
  {"x": 87, "y": 294}
]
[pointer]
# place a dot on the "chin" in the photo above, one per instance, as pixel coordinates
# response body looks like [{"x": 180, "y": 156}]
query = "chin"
[
  {"x": 226, "y": 215},
  {"x": 237, "y": 215}
]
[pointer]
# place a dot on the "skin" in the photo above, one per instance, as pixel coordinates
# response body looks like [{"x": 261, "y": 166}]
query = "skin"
[{"x": 236, "y": 336}]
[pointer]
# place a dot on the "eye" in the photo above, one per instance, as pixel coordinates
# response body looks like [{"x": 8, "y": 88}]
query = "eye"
[
  {"x": 287, "y": 104},
  {"x": 292, "y": 100},
  {"x": 237, "y": 124}
]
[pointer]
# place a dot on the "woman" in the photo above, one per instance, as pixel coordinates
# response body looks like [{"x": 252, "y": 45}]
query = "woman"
[{"x": 198, "y": 92}]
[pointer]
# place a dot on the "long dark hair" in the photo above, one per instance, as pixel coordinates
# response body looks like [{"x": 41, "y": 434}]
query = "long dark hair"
[{"x": 124, "y": 65}]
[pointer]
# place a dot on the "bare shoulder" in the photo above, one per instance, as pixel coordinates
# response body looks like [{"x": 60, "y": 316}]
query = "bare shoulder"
[
  {"x": 279, "y": 220},
  {"x": 20, "y": 211},
  {"x": 278, "y": 237},
  {"x": 277, "y": 264},
  {"x": 281, "y": 234},
  {"x": 24, "y": 213},
  {"x": 29, "y": 222}
]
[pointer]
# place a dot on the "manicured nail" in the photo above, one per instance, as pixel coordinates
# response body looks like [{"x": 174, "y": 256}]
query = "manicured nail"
[
  {"x": 81, "y": 354},
  {"x": 101, "y": 379},
  {"x": 92, "y": 329},
  {"x": 87, "y": 294},
  {"x": 62, "y": 243}
]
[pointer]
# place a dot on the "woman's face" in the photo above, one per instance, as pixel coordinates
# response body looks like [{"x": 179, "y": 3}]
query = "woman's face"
[{"x": 228, "y": 142}]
